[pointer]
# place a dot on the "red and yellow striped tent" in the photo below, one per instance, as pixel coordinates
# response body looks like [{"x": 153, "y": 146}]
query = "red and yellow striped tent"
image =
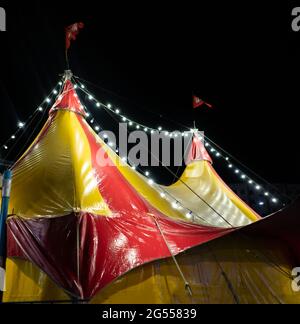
[{"x": 84, "y": 225}]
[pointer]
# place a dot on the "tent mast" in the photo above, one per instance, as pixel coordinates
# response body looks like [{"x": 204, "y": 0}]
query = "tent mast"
[{"x": 67, "y": 60}]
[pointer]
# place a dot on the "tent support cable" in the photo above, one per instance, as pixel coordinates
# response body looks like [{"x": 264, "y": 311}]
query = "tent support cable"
[{"x": 186, "y": 283}]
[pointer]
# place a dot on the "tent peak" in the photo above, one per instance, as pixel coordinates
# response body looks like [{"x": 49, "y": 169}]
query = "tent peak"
[
  {"x": 197, "y": 151},
  {"x": 68, "y": 98}
]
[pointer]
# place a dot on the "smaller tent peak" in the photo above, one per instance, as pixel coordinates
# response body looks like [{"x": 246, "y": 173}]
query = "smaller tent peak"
[
  {"x": 68, "y": 98},
  {"x": 197, "y": 151}
]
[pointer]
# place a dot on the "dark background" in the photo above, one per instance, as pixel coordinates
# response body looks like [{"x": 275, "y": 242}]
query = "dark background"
[{"x": 242, "y": 58}]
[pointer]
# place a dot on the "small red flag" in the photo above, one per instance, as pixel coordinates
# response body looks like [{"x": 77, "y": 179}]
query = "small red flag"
[
  {"x": 197, "y": 102},
  {"x": 72, "y": 32}
]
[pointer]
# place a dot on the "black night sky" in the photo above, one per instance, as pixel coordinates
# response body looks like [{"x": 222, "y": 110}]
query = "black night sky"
[{"x": 151, "y": 57}]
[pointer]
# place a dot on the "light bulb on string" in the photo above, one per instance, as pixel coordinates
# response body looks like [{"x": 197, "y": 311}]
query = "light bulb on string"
[
  {"x": 189, "y": 215},
  {"x": 175, "y": 204}
]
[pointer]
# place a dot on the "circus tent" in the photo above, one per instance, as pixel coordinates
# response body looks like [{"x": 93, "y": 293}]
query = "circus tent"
[{"x": 83, "y": 225}]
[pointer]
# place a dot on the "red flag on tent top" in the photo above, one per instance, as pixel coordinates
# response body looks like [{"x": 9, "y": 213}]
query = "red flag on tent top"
[
  {"x": 197, "y": 102},
  {"x": 71, "y": 33}
]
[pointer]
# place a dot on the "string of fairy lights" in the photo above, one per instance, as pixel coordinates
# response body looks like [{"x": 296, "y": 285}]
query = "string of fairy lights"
[
  {"x": 21, "y": 125},
  {"x": 217, "y": 153},
  {"x": 173, "y": 134}
]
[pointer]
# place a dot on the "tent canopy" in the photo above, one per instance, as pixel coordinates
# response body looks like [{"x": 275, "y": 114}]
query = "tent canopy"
[{"x": 85, "y": 218}]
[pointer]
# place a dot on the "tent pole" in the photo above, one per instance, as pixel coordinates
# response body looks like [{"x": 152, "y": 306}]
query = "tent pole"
[
  {"x": 6, "y": 188},
  {"x": 67, "y": 60}
]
